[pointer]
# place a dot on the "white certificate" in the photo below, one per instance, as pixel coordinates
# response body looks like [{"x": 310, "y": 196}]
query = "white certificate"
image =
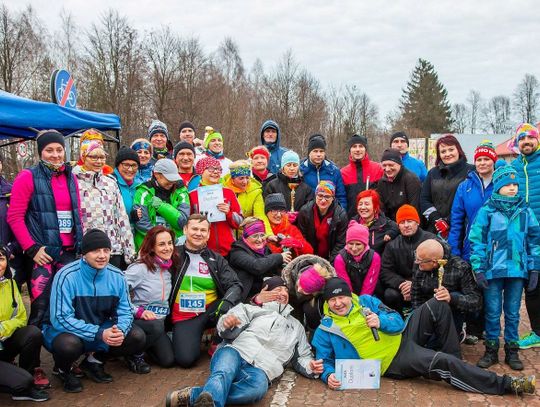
[
  {"x": 358, "y": 373},
  {"x": 209, "y": 197}
]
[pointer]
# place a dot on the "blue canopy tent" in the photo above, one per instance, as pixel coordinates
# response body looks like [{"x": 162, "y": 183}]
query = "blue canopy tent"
[{"x": 23, "y": 118}]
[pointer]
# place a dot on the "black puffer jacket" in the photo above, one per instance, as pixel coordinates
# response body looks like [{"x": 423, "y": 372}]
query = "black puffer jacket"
[
  {"x": 404, "y": 189},
  {"x": 398, "y": 258},
  {"x": 380, "y": 227},
  {"x": 253, "y": 267},
  {"x": 302, "y": 195}
]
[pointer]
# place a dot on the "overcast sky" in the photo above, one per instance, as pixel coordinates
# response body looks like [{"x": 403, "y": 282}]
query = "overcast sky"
[{"x": 483, "y": 45}]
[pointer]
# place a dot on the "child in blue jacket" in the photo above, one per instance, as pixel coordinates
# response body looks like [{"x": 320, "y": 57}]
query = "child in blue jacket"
[{"x": 505, "y": 253}]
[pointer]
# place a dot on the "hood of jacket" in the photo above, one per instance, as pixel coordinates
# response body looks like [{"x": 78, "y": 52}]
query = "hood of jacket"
[{"x": 271, "y": 124}]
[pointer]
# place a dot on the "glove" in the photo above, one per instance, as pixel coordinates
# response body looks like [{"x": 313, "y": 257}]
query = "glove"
[
  {"x": 156, "y": 202},
  {"x": 533, "y": 281},
  {"x": 291, "y": 243},
  {"x": 223, "y": 308},
  {"x": 292, "y": 216},
  {"x": 442, "y": 227},
  {"x": 481, "y": 280}
]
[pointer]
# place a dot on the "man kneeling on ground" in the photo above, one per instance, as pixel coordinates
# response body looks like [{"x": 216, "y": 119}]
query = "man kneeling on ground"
[
  {"x": 345, "y": 333},
  {"x": 258, "y": 343}
]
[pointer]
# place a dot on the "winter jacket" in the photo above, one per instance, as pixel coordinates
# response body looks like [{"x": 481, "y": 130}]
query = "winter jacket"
[
  {"x": 458, "y": 279},
  {"x": 193, "y": 182},
  {"x": 253, "y": 267},
  {"x": 276, "y": 151},
  {"x": 280, "y": 184},
  {"x": 251, "y": 200},
  {"x": 172, "y": 213},
  {"x": 398, "y": 258},
  {"x": 404, "y": 189},
  {"x": 505, "y": 243},
  {"x": 528, "y": 168},
  {"x": 362, "y": 275},
  {"x": 148, "y": 287},
  {"x": 378, "y": 229},
  {"x": 127, "y": 191},
  {"x": 85, "y": 301},
  {"x": 292, "y": 271},
  {"x": 102, "y": 208},
  {"x": 331, "y": 343},
  {"x": 145, "y": 173},
  {"x": 221, "y": 233},
  {"x": 7, "y": 238},
  {"x": 11, "y": 318},
  {"x": 269, "y": 338},
  {"x": 328, "y": 171},
  {"x": 439, "y": 189},
  {"x": 470, "y": 196},
  {"x": 356, "y": 178},
  {"x": 338, "y": 228},
  {"x": 227, "y": 283},
  {"x": 32, "y": 214},
  {"x": 288, "y": 230},
  {"x": 414, "y": 165}
]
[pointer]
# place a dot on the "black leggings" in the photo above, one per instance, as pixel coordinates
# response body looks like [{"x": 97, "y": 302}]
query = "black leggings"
[
  {"x": 26, "y": 342},
  {"x": 158, "y": 345},
  {"x": 67, "y": 348},
  {"x": 187, "y": 336},
  {"x": 532, "y": 302},
  {"x": 13, "y": 379}
]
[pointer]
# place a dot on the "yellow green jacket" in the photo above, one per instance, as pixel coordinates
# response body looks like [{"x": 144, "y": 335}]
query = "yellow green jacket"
[{"x": 10, "y": 318}]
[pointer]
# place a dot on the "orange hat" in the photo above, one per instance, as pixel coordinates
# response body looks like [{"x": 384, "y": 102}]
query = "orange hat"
[{"x": 407, "y": 212}]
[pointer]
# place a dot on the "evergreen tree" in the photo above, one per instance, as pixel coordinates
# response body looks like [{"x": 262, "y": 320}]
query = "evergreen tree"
[{"x": 424, "y": 105}]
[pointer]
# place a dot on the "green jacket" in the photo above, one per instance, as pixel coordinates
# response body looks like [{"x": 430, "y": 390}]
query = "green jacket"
[
  {"x": 173, "y": 214},
  {"x": 11, "y": 318}
]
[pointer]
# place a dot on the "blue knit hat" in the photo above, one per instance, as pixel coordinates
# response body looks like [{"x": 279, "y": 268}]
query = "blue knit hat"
[
  {"x": 289, "y": 157},
  {"x": 504, "y": 175}
]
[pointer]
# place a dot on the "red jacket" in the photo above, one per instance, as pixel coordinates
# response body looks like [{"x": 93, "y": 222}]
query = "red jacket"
[{"x": 290, "y": 231}]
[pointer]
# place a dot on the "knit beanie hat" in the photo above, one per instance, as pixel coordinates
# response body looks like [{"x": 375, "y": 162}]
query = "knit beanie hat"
[
  {"x": 183, "y": 145},
  {"x": 126, "y": 153},
  {"x": 262, "y": 150},
  {"x": 274, "y": 202},
  {"x": 240, "y": 168},
  {"x": 289, "y": 156},
  {"x": 407, "y": 212},
  {"x": 504, "y": 175},
  {"x": 212, "y": 136},
  {"x": 357, "y": 139},
  {"x": 95, "y": 239},
  {"x": 88, "y": 146},
  {"x": 335, "y": 287},
  {"x": 47, "y": 137},
  {"x": 316, "y": 141},
  {"x": 157, "y": 127},
  {"x": 186, "y": 125},
  {"x": 523, "y": 130},
  {"x": 485, "y": 149},
  {"x": 391, "y": 154},
  {"x": 206, "y": 162},
  {"x": 399, "y": 134},
  {"x": 142, "y": 144},
  {"x": 273, "y": 282},
  {"x": 357, "y": 232},
  {"x": 311, "y": 281},
  {"x": 326, "y": 187}
]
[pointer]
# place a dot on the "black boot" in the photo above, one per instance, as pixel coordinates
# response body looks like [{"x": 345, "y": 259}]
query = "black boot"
[
  {"x": 491, "y": 356},
  {"x": 512, "y": 356}
]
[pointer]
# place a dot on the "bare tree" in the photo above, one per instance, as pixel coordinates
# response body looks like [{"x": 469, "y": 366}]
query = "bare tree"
[
  {"x": 496, "y": 115},
  {"x": 527, "y": 98},
  {"x": 474, "y": 100},
  {"x": 460, "y": 117}
]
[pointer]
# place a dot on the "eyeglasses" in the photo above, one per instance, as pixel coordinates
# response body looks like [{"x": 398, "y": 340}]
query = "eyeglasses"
[
  {"x": 325, "y": 197},
  {"x": 129, "y": 166},
  {"x": 96, "y": 157},
  {"x": 420, "y": 261},
  {"x": 258, "y": 236},
  {"x": 214, "y": 169},
  {"x": 277, "y": 211}
]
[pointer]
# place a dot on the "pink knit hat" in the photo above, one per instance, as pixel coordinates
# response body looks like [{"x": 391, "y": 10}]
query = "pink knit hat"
[
  {"x": 311, "y": 281},
  {"x": 358, "y": 232}
]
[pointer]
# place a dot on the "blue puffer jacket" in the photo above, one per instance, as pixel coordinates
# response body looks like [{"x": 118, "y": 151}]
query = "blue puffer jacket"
[
  {"x": 328, "y": 171},
  {"x": 127, "y": 191},
  {"x": 528, "y": 168},
  {"x": 85, "y": 301},
  {"x": 470, "y": 196},
  {"x": 414, "y": 165},
  {"x": 276, "y": 151},
  {"x": 41, "y": 218},
  {"x": 505, "y": 242}
]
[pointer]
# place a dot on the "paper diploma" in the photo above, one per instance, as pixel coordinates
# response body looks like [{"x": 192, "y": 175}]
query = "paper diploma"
[
  {"x": 209, "y": 197},
  {"x": 358, "y": 373}
]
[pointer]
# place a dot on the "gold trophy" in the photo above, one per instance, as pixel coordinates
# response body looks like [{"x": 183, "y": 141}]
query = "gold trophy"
[
  {"x": 293, "y": 186},
  {"x": 440, "y": 275}
]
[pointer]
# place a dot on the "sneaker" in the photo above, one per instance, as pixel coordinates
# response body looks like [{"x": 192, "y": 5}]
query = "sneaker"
[
  {"x": 471, "y": 340},
  {"x": 532, "y": 340},
  {"x": 72, "y": 384},
  {"x": 40, "y": 379},
  {"x": 32, "y": 394},
  {"x": 521, "y": 385},
  {"x": 95, "y": 371},
  {"x": 75, "y": 371},
  {"x": 204, "y": 400},
  {"x": 178, "y": 398},
  {"x": 137, "y": 364}
]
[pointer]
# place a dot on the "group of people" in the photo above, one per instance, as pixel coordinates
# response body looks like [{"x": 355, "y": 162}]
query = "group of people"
[{"x": 265, "y": 256}]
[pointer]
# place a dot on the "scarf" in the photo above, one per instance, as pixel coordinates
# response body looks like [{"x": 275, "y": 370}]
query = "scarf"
[
  {"x": 56, "y": 168},
  {"x": 163, "y": 264},
  {"x": 217, "y": 156}
]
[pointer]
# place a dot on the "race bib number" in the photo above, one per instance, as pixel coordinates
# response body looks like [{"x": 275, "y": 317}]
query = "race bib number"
[
  {"x": 191, "y": 302},
  {"x": 158, "y": 308},
  {"x": 65, "y": 221}
]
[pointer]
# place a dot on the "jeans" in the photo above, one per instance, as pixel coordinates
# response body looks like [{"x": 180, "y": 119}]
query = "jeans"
[
  {"x": 511, "y": 290},
  {"x": 232, "y": 380}
]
